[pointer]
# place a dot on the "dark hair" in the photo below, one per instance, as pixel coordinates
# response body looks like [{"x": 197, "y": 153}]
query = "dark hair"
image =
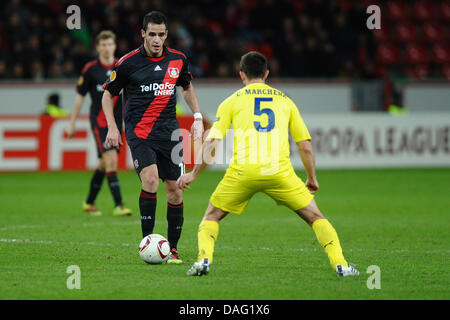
[
  {"x": 254, "y": 65},
  {"x": 155, "y": 17},
  {"x": 53, "y": 98}
]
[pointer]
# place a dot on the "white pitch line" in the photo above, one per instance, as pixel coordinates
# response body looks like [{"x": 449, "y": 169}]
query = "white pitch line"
[
  {"x": 19, "y": 227},
  {"x": 220, "y": 247},
  {"x": 105, "y": 223},
  {"x": 75, "y": 243},
  {"x": 85, "y": 224}
]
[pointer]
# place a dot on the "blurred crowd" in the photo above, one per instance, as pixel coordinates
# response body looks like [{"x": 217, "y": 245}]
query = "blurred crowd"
[{"x": 311, "y": 39}]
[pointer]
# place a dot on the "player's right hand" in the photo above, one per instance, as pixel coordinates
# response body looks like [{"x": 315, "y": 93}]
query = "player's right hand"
[
  {"x": 70, "y": 130},
  {"x": 312, "y": 184},
  {"x": 184, "y": 180},
  {"x": 113, "y": 138}
]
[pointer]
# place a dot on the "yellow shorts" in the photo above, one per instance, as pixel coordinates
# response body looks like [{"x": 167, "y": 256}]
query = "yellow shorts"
[{"x": 235, "y": 190}]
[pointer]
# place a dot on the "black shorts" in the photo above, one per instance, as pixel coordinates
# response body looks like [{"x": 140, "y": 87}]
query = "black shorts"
[
  {"x": 167, "y": 155},
  {"x": 100, "y": 138}
]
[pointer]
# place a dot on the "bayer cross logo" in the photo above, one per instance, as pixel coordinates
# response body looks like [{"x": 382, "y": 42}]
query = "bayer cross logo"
[{"x": 173, "y": 72}]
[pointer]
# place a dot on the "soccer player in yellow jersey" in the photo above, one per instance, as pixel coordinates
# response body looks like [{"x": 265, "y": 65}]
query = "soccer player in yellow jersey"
[{"x": 262, "y": 118}]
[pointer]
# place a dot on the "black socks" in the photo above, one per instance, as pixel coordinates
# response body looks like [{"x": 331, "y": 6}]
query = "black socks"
[
  {"x": 147, "y": 206},
  {"x": 96, "y": 185},
  {"x": 174, "y": 223},
  {"x": 114, "y": 186}
]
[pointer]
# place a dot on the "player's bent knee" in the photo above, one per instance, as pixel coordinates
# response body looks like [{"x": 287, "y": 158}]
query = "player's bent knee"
[
  {"x": 150, "y": 180},
  {"x": 174, "y": 196},
  {"x": 101, "y": 166},
  {"x": 110, "y": 160},
  {"x": 214, "y": 214},
  {"x": 310, "y": 213},
  {"x": 111, "y": 165}
]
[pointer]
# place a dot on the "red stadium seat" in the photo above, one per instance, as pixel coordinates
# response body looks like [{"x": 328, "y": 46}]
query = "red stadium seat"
[
  {"x": 420, "y": 71},
  {"x": 441, "y": 53},
  {"x": 433, "y": 32},
  {"x": 416, "y": 53},
  {"x": 445, "y": 10},
  {"x": 381, "y": 71},
  {"x": 367, "y": 3},
  {"x": 397, "y": 10},
  {"x": 406, "y": 32},
  {"x": 424, "y": 10},
  {"x": 388, "y": 54},
  {"x": 446, "y": 71},
  {"x": 383, "y": 34}
]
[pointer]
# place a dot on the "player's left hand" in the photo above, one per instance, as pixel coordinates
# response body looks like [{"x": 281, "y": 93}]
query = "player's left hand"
[
  {"x": 197, "y": 129},
  {"x": 312, "y": 184},
  {"x": 184, "y": 180}
]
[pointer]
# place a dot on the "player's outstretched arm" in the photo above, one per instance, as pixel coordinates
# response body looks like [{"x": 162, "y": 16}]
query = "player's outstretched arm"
[
  {"x": 307, "y": 155},
  {"x": 113, "y": 138},
  {"x": 191, "y": 99},
  {"x": 70, "y": 130},
  {"x": 202, "y": 160}
]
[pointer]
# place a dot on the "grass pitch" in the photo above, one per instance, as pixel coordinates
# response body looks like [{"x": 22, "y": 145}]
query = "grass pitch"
[{"x": 395, "y": 219}]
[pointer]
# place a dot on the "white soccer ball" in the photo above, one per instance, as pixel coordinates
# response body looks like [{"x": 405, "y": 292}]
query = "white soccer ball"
[{"x": 154, "y": 249}]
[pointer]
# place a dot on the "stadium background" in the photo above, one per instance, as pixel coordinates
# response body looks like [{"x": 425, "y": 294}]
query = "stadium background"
[
  {"x": 313, "y": 47},
  {"x": 316, "y": 38},
  {"x": 371, "y": 99}
]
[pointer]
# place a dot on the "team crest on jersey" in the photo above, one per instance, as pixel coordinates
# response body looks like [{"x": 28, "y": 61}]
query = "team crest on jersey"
[
  {"x": 112, "y": 76},
  {"x": 108, "y": 73},
  {"x": 174, "y": 72},
  {"x": 80, "y": 80}
]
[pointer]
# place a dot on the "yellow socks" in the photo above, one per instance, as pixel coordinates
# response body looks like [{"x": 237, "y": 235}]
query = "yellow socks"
[
  {"x": 208, "y": 232},
  {"x": 328, "y": 239}
]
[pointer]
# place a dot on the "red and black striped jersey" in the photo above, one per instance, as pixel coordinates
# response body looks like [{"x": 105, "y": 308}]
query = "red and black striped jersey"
[
  {"x": 91, "y": 80},
  {"x": 150, "y": 91}
]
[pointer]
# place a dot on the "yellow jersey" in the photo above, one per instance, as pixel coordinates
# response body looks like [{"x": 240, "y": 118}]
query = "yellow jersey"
[{"x": 262, "y": 118}]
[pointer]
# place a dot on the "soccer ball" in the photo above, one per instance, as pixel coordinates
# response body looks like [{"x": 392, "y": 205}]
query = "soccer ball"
[{"x": 154, "y": 249}]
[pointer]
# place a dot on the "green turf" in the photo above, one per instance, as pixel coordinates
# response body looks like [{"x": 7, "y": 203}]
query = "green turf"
[{"x": 396, "y": 219}]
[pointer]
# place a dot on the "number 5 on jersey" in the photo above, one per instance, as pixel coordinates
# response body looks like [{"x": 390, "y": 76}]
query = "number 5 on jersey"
[{"x": 259, "y": 112}]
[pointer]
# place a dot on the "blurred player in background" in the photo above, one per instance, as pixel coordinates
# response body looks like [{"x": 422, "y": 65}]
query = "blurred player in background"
[
  {"x": 266, "y": 114},
  {"x": 149, "y": 76},
  {"x": 91, "y": 80},
  {"x": 53, "y": 108}
]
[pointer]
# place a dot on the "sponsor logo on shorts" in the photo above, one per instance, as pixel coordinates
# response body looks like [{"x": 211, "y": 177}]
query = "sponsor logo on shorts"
[{"x": 136, "y": 163}]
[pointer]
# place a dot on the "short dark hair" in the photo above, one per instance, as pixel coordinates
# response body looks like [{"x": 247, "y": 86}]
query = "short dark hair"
[
  {"x": 155, "y": 17},
  {"x": 53, "y": 98},
  {"x": 254, "y": 65}
]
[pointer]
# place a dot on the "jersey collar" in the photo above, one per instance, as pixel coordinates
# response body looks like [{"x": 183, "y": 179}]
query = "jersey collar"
[
  {"x": 144, "y": 53},
  {"x": 107, "y": 66}
]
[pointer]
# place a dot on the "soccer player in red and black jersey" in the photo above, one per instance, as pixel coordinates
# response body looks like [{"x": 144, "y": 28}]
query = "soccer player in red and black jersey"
[
  {"x": 148, "y": 76},
  {"x": 91, "y": 81}
]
